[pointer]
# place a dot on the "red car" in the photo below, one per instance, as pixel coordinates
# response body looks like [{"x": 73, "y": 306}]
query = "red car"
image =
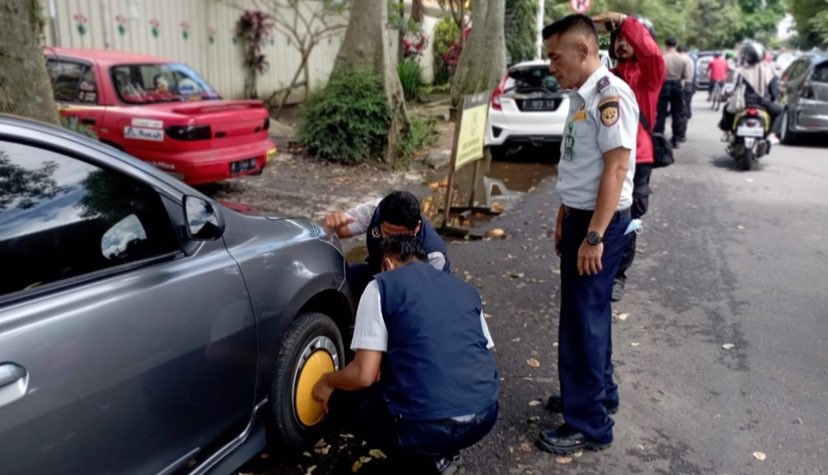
[{"x": 162, "y": 112}]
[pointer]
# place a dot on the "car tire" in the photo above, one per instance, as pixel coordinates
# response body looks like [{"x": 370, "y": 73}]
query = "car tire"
[
  {"x": 311, "y": 346},
  {"x": 786, "y": 136},
  {"x": 498, "y": 152}
]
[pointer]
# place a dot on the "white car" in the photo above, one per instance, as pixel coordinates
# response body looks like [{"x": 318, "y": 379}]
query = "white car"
[{"x": 528, "y": 108}]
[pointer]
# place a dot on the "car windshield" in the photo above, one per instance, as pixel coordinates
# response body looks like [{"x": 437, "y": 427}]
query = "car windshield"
[
  {"x": 163, "y": 82},
  {"x": 523, "y": 79}
]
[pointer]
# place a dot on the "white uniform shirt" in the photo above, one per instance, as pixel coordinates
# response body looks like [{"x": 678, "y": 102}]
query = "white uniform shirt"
[
  {"x": 363, "y": 213},
  {"x": 370, "y": 332},
  {"x": 603, "y": 115}
]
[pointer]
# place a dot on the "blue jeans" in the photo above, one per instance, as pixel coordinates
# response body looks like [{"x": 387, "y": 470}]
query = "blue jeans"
[{"x": 584, "y": 335}]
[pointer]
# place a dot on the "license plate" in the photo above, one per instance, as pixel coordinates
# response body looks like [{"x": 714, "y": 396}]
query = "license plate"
[
  {"x": 539, "y": 104},
  {"x": 242, "y": 166},
  {"x": 750, "y": 132}
]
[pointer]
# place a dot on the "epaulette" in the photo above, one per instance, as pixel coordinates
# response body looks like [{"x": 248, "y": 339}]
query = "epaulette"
[{"x": 603, "y": 83}]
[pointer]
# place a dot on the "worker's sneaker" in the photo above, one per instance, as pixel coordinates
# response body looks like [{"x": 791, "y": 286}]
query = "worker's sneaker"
[{"x": 617, "y": 290}]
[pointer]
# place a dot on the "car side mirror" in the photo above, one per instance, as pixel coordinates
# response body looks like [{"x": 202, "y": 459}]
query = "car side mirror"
[{"x": 204, "y": 222}]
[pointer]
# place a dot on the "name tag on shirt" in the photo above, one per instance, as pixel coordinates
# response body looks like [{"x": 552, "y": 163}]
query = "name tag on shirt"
[{"x": 580, "y": 115}]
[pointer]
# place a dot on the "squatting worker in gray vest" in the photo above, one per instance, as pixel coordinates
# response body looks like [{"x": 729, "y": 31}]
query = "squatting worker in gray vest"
[
  {"x": 595, "y": 183},
  {"x": 438, "y": 390}
]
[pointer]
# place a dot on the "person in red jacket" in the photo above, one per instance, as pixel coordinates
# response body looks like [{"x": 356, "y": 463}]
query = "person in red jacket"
[{"x": 641, "y": 66}]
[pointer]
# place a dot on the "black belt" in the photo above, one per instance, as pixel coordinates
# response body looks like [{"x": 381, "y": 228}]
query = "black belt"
[{"x": 624, "y": 214}]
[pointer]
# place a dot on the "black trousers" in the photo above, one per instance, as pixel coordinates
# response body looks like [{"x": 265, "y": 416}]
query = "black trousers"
[
  {"x": 641, "y": 201},
  {"x": 688, "y": 100},
  {"x": 671, "y": 101}
]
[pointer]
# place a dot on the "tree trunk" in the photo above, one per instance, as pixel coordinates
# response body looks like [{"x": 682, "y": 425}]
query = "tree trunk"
[
  {"x": 25, "y": 88},
  {"x": 483, "y": 60},
  {"x": 366, "y": 47}
]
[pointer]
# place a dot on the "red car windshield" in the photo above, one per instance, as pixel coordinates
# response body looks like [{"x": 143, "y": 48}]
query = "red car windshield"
[{"x": 164, "y": 82}]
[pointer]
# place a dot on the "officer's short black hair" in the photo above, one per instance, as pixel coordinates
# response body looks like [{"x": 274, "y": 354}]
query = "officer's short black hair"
[
  {"x": 683, "y": 48},
  {"x": 400, "y": 208},
  {"x": 671, "y": 42},
  {"x": 574, "y": 22},
  {"x": 403, "y": 248}
]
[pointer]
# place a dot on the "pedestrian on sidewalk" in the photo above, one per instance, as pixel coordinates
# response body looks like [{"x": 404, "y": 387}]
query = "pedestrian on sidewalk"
[
  {"x": 671, "y": 100},
  {"x": 595, "y": 184},
  {"x": 641, "y": 66},
  {"x": 397, "y": 213},
  {"x": 439, "y": 387}
]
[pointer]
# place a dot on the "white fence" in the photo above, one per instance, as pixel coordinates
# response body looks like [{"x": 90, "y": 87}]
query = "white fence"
[{"x": 200, "y": 33}]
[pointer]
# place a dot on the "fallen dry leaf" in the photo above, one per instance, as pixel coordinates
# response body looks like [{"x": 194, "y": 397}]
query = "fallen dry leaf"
[
  {"x": 377, "y": 454},
  {"x": 623, "y": 316},
  {"x": 516, "y": 275},
  {"x": 356, "y": 466},
  {"x": 306, "y": 454},
  {"x": 563, "y": 460},
  {"x": 525, "y": 447},
  {"x": 310, "y": 470},
  {"x": 533, "y": 362},
  {"x": 634, "y": 343},
  {"x": 365, "y": 459},
  {"x": 487, "y": 315},
  {"x": 264, "y": 455},
  {"x": 514, "y": 340},
  {"x": 578, "y": 454},
  {"x": 728, "y": 346},
  {"x": 496, "y": 233},
  {"x": 760, "y": 456},
  {"x": 347, "y": 436},
  {"x": 535, "y": 402}
]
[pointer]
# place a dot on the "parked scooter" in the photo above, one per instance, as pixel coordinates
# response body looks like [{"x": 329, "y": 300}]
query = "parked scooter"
[{"x": 748, "y": 138}]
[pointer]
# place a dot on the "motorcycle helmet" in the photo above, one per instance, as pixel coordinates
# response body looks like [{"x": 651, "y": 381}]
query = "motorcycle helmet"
[{"x": 751, "y": 53}]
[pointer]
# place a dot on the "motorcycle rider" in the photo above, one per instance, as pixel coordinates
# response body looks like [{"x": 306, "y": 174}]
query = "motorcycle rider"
[{"x": 760, "y": 88}]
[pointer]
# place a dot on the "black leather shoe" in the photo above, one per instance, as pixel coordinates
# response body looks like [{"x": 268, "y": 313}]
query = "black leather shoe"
[
  {"x": 617, "y": 290},
  {"x": 554, "y": 404},
  {"x": 564, "y": 440},
  {"x": 448, "y": 465}
]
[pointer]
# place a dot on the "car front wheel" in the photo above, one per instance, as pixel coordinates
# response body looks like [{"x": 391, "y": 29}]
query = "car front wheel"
[{"x": 312, "y": 346}]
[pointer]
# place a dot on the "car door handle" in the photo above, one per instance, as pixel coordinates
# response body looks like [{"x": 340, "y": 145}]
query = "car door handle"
[
  {"x": 88, "y": 121},
  {"x": 13, "y": 383}
]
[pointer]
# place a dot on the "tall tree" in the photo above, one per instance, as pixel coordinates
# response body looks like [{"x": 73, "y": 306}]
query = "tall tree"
[
  {"x": 807, "y": 15},
  {"x": 25, "y": 88},
  {"x": 366, "y": 47},
  {"x": 483, "y": 60},
  {"x": 521, "y": 33}
]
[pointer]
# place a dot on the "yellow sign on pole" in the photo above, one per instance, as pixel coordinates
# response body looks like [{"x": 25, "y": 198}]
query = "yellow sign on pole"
[{"x": 469, "y": 145}]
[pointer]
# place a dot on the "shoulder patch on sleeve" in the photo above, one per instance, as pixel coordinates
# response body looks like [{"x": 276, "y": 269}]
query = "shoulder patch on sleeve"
[
  {"x": 603, "y": 83},
  {"x": 610, "y": 109}
]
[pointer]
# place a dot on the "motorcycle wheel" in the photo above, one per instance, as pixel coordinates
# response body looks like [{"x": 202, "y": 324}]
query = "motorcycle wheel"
[{"x": 746, "y": 160}]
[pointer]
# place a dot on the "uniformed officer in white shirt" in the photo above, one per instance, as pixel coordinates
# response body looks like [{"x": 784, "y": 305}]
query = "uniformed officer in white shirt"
[{"x": 595, "y": 183}]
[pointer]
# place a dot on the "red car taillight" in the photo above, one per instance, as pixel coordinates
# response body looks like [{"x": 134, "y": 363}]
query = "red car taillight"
[
  {"x": 189, "y": 132},
  {"x": 496, "y": 105}
]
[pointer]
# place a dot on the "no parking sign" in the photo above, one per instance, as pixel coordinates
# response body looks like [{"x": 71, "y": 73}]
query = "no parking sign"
[{"x": 580, "y": 6}]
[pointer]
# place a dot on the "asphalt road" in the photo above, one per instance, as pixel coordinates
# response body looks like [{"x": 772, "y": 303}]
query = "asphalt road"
[{"x": 727, "y": 257}]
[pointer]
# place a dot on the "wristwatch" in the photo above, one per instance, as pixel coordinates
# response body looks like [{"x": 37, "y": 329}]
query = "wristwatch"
[{"x": 593, "y": 238}]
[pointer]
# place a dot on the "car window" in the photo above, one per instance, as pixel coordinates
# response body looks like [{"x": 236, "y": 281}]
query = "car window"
[
  {"x": 162, "y": 82},
  {"x": 522, "y": 79},
  {"x": 72, "y": 81},
  {"x": 61, "y": 218},
  {"x": 820, "y": 73},
  {"x": 797, "y": 70}
]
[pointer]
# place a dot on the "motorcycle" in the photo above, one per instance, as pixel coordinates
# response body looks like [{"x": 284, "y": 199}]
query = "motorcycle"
[{"x": 748, "y": 138}]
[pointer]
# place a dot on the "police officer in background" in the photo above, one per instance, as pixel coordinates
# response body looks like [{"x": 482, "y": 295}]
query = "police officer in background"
[
  {"x": 595, "y": 183},
  {"x": 679, "y": 72},
  {"x": 689, "y": 86}
]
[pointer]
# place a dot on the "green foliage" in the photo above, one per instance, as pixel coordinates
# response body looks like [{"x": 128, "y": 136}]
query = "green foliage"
[
  {"x": 445, "y": 34},
  {"x": 520, "y": 29},
  {"x": 706, "y": 24},
  {"x": 71, "y": 123},
  {"x": 348, "y": 120},
  {"x": 819, "y": 24},
  {"x": 422, "y": 132},
  {"x": 411, "y": 80},
  {"x": 36, "y": 17}
]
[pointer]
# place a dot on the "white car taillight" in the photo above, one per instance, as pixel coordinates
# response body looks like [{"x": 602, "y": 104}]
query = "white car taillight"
[{"x": 496, "y": 104}]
